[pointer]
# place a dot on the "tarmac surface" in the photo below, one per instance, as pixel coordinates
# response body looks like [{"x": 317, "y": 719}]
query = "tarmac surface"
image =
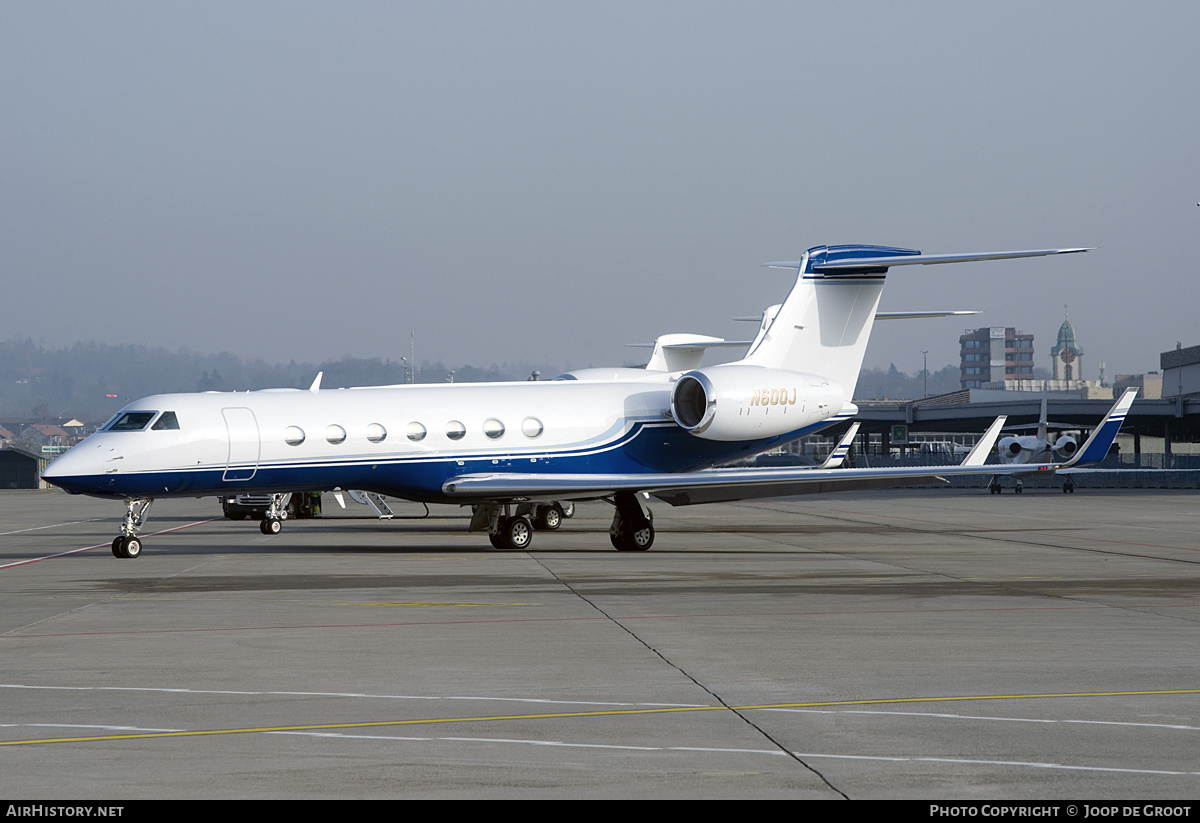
[{"x": 939, "y": 644}]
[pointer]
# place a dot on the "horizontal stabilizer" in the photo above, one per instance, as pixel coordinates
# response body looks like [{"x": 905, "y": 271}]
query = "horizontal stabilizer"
[
  {"x": 852, "y": 265},
  {"x": 920, "y": 315}
]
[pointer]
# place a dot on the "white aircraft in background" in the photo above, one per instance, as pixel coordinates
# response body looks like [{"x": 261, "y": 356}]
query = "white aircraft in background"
[
  {"x": 1038, "y": 450},
  {"x": 506, "y": 446}
]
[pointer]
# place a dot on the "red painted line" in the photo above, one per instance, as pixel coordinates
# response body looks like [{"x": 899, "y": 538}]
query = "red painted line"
[
  {"x": 99, "y": 546},
  {"x": 1001, "y": 531},
  {"x": 582, "y": 619}
]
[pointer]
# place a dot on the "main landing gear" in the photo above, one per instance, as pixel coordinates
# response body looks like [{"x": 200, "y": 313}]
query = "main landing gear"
[
  {"x": 995, "y": 488},
  {"x": 272, "y": 523},
  {"x": 632, "y": 528},
  {"x": 1068, "y": 486},
  {"x": 510, "y": 526},
  {"x": 127, "y": 544},
  {"x": 506, "y": 531}
]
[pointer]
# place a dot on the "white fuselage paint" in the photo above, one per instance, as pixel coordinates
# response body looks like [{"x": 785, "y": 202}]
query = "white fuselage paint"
[{"x": 529, "y": 426}]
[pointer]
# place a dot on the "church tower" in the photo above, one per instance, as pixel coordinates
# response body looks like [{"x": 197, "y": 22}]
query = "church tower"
[{"x": 1066, "y": 354}]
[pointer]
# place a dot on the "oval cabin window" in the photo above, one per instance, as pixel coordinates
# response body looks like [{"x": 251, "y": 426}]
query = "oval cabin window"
[
  {"x": 293, "y": 435},
  {"x": 335, "y": 434},
  {"x": 376, "y": 433}
]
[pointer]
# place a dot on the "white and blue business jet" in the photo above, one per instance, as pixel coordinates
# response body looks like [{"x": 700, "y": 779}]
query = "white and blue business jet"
[{"x": 513, "y": 449}]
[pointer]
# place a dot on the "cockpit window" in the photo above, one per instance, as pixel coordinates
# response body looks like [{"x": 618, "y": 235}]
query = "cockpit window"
[
  {"x": 133, "y": 421},
  {"x": 167, "y": 421}
]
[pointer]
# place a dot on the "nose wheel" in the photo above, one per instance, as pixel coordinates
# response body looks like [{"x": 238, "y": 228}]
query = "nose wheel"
[
  {"x": 272, "y": 523},
  {"x": 127, "y": 544}
]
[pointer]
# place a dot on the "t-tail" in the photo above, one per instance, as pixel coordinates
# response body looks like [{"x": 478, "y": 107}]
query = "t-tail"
[
  {"x": 1096, "y": 447},
  {"x": 825, "y": 323},
  {"x": 801, "y": 371}
]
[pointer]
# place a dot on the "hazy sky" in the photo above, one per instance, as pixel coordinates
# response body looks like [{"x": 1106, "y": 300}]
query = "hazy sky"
[{"x": 551, "y": 180}]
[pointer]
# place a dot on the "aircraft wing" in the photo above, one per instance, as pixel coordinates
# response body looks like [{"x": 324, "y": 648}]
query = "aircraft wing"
[
  {"x": 707, "y": 486},
  {"x": 719, "y": 485}
]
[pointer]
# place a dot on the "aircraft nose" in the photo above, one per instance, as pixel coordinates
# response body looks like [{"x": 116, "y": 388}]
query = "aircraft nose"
[{"x": 76, "y": 470}]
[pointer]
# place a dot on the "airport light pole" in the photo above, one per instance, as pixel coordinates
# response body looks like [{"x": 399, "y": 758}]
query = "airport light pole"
[{"x": 925, "y": 370}]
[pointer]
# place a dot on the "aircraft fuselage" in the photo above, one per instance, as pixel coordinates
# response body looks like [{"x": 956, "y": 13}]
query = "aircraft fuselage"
[{"x": 404, "y": 441}]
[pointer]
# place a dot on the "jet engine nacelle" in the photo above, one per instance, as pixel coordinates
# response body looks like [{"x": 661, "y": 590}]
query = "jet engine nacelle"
[
  {"x": 739, "y": 402},
  {"x": 1065, "y": 446}
]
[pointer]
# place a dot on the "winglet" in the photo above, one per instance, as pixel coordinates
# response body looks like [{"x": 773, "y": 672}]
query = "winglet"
[
  {"x": 842, "y": 449},
  {"x": 316, "y": 384},
  {"x": 1097, "y": 446},
  {"x": 979, "y": 455}
]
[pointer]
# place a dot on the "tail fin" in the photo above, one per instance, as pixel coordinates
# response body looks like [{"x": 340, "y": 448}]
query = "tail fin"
[
  {"x": 824, "y": 324},
  {"x": 1097, "y": 446}
]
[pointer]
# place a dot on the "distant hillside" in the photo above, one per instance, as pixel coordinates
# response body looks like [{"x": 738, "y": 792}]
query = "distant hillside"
[
  {"x": 91, "y": 381},
  {"x": 893, "y": 384}
]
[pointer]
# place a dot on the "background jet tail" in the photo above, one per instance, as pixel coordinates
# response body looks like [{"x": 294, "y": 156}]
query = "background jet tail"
[{"x": 1101, "y": 440}]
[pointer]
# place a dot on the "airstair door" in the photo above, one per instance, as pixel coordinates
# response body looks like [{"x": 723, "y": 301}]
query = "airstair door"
[{"x": 242, "y": 428}]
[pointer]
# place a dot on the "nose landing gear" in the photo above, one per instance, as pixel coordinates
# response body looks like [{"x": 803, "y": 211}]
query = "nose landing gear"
[
  {"x": 272, "y": 522},
  {"x": 127, "y": 544}
]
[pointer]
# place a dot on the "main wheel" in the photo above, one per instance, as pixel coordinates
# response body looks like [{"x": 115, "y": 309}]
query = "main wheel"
[
  {"x": 517, "y": 533},
  {"x": 497, "y": 541},
  {"x": 548, "y": 517},
  {"x": 567, "y": 509},
  {"x": 626, "y": 540}
]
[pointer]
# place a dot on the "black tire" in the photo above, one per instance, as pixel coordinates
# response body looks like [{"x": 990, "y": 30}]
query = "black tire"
[
  {"x": 497, "y": 541},
  {"x": 548, "y": 518},
  {"x": 567, "y": 509},
  {"x": 117, "y": 547},
  {"x": 633, "y": 541},
  {"x": 271, "y": 526},
  {"x": 517, "y": 533}
]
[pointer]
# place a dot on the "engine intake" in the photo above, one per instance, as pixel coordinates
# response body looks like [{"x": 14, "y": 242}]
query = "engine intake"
[{"x": 740, "y": 402}]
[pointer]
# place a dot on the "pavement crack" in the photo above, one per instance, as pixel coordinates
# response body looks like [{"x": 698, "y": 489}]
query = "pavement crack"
[{"x": 716, "y": 697}]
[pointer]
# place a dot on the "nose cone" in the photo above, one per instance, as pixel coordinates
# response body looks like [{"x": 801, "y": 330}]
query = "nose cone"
[{"x": 79, "y": 471}]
